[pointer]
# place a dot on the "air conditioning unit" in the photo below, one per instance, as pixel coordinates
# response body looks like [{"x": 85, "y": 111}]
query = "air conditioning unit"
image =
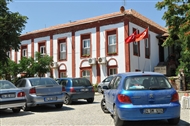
[
  {"x": 92, "y": 61},
  {"x": 102, "y": 60}
]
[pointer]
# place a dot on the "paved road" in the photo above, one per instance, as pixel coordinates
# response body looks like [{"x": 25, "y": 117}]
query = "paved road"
[{"x": 79, "y": 113}]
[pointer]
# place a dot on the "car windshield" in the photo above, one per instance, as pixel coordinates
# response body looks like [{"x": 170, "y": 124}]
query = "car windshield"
[
  {"x": 42, "y": 81},
  {"x": 81, "y": 82},
  {"x": 6, "y": 85},
  {"x": 146, "y": 82}
]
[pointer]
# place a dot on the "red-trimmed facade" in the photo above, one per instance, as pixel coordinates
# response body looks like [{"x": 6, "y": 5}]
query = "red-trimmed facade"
[{"x": 78, "y": 68}]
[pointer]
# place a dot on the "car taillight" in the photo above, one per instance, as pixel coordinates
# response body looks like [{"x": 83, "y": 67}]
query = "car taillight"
[
  {"x": 124, "y": 98},
  {"x": 175, "y": 97},
  {"x": 32, "y": 91},
  {"x": 63, "y": 88},
  {"x": 72, "y": 90},
  {"x": 21, "y": 94}
]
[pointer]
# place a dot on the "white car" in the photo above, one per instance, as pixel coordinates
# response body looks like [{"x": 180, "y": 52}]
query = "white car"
[{"x": 11, "y": 97}]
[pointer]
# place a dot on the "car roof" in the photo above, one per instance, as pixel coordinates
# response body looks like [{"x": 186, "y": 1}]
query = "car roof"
[
  {"x": 140, "y": 73},
  {"x": 70, "y": 78},
  {"x": 36, "y": 77}
]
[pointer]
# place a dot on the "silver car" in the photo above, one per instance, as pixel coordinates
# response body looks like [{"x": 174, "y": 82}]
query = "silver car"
[
  {"x": 105, "y": 82},
  {"x": 11, "y": 97},
  {"x": 40, "y": 91}
]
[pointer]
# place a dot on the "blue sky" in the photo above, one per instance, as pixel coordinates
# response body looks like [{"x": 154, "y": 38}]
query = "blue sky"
[{"x": 46, "y": 13}]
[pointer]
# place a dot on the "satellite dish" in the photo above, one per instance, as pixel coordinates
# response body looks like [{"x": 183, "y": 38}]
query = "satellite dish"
[{"x": 122, "y": 9}]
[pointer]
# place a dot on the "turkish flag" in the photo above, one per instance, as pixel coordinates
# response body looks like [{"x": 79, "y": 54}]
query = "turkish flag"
[
  {"x": 142, "y": 35},
  {"x": 131, "y": 38}
]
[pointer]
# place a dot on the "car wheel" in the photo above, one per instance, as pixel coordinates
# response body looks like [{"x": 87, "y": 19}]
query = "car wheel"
[
  {"x": 90, "y": 100},
  {"x": 17, "y": 110},
  {"x": 25, "y": 107},
  {"x": 99, "y": 90},
  {"x": 117, "y": 120},
  {"x": 67, "y": 99},
  {"x": 103, "y": 106},
  {"x": 174, "y": 121},
  {"x": 58, "y": 105}
]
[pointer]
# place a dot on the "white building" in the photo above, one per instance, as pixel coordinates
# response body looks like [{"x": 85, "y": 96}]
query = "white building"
[{"x": 95, "y": 47}]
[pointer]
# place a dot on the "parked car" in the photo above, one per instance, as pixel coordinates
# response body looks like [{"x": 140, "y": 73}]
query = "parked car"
[
  {"x": 40, "y": 91},
  {"x": 77, "y": 88},
  {"x": 11, "y": 97},
  {"x": 105, "y": 82},
  {"x": 135, "y": 96}
]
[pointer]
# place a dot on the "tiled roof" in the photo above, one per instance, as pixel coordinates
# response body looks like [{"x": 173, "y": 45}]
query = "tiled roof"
[{"x": 102, "y": 17}]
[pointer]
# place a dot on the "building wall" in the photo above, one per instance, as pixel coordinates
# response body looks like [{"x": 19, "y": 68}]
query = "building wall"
[{"x": 140, "y": 62}]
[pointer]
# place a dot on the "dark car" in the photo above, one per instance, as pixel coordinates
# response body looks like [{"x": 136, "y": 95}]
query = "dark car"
[
  {"x": 77, "y": 88},
  {"x": 41, "y": 91},
  {"x": 135, "y": 96},
  {"x": 11, "y": 97}
]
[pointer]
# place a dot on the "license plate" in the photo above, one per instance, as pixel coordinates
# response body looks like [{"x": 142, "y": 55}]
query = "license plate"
[
  {"x": 153, "y": 111},
  {"x": 84, "y": 90},
  {"x": 8, "y": 96},
  {"x": 51, "y": 99}
]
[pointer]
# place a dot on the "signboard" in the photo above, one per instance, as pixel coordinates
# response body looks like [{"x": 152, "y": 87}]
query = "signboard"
[{"x": 160, "y": 69}]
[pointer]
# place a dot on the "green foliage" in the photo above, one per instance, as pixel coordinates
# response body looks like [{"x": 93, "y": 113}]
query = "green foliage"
[
  {"x": 11, "y": 26},
  {"x": 95, "y": 86},
  {"x": 177, "y": 17}
]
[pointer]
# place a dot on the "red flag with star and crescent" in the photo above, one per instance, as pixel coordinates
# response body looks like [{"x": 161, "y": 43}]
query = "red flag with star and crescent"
[
  {"x": 131, "y": 38},
  {"x": 142, "y": 35}
]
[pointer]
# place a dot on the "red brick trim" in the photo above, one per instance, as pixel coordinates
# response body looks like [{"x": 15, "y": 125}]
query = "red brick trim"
[
  {"x": 73, "y": 55},
  {"x": 98, "y": 52},
  {"x": 127, "y": 46}
]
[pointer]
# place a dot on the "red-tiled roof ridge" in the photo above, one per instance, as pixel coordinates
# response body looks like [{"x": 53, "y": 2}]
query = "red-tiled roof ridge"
[{"x": 101, "y": 17}]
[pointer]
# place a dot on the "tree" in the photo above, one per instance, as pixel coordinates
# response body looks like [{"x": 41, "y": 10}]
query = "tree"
[
  {"x": 11, "y": 26},
  {"x": 177, "y": 17}
]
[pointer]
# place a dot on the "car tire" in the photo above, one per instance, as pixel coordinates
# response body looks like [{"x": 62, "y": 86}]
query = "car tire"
[
  {"x": 58, "y": 105},
  {"x": 17, "y": 110},
  {"x": 174, "y": 121},
  {"x": 117, "y": 120},
  {"x": 67, "y": 99},
  {"x": 103, "y": 106},
  {"x": 90, "y": 100}
]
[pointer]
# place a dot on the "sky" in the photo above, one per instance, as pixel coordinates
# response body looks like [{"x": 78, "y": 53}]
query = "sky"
[{"x": 45, "y": 13}]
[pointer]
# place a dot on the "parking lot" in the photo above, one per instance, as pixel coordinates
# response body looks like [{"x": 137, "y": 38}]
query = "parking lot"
[{"x": 79, "y": 113}]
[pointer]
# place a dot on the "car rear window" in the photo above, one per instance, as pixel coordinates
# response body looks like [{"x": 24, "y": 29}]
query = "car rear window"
[
  {"x": 80, "y": 82},
  {"x": 6, "y": 85},
  {"x": 42, "y": 81},
  {"x": 146, "y": 82}
]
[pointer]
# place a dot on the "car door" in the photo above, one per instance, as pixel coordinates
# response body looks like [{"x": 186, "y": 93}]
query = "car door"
[
  {"x": 113, "y": 92},
  {"x": 107, "y": 94}
]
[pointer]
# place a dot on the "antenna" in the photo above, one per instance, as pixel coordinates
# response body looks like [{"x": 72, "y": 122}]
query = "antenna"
[{"x": 144, "y": 66}]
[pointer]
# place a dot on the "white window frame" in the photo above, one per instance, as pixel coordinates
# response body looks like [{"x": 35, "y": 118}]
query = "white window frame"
[
  {"x": 114, "y": 71},
  {"x": 24, "y": 52},
  {"x": 62, "y": 74},
  {"x": 43, "y": 48},
  {"x": 87, "y": 48},
  {"x": 85, "y": 74},
  {"x": 112, "y": 43},
  {"x": 62, "y": 50}
]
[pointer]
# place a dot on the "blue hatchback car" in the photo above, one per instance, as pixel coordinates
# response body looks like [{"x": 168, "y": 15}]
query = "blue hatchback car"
[
  {"x": 77, "y": 88},
  {"x": 135, "y": 96}
]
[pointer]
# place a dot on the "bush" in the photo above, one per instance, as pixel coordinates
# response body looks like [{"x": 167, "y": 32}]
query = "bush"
[{"x": 95, "y": 86}]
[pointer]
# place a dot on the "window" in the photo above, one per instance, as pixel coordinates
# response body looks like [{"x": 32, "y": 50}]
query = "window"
[
  {"x": 136, "y": 45},
  {"x": 62, "y": 51},
  {"x": 24, "y": 51},
  {"x": 86, "y": 74},
  {"x": 9, "y": 54},
  {"x": 42, "y": 48},
  {"x": 147, "y": 47},
  {"x": 112, "y": 42},
  {"x": 85, "y": 45},
  {"x": 62, "y": 74},
  {"x": 112, "y": 71}
]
